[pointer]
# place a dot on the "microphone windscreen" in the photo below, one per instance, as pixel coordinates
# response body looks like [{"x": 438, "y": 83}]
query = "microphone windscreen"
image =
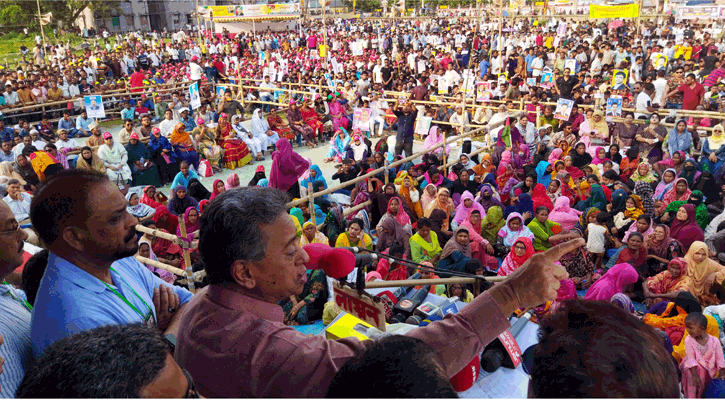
[
  {"x": 466, "y": 377},
  {"x": 338, "y": 263},
  {"x": 316, "y": 251}
]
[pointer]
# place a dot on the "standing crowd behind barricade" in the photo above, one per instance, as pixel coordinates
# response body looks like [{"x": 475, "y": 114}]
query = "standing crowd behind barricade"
[{"x": 598, "y": 150}]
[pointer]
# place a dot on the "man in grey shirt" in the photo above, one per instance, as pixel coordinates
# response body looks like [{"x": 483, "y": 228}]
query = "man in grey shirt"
[{"x": 362, "y": 85}]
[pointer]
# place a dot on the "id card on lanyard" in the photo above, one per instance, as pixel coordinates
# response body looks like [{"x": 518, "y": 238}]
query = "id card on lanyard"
[{"x": 148, "y": 317}]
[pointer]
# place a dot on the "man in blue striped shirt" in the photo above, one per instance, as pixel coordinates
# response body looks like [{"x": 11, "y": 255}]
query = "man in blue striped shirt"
[{"x": 14, "y": 308}]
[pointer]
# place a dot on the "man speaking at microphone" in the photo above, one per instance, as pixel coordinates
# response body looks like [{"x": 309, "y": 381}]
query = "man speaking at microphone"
[{"x": 233, "y": 340}]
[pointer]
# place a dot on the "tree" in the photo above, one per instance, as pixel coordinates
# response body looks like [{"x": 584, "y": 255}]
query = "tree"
[
  {"x": 364, "y": 5},
  {"x": 11, "y": 15},
  {"x": 68, "y": 11}
]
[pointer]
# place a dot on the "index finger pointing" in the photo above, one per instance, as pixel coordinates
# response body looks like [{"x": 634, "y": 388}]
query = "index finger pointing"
[{"x": 558, "y": 251}]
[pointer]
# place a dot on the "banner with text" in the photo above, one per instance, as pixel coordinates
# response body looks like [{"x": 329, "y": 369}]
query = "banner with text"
[{"x": 623, "y": 11}]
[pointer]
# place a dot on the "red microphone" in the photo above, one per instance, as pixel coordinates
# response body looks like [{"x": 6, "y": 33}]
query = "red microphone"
[{"x": 336, "y": 263}]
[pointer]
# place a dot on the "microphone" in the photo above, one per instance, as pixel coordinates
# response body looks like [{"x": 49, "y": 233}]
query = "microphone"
[
  {"x": 504, "y": 351},
  {"x": 336, "y": 263},
  {"x": 407, "y": 305}
]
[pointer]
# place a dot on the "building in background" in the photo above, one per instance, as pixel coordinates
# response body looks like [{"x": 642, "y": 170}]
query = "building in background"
[{"x": 145, "y": 15}]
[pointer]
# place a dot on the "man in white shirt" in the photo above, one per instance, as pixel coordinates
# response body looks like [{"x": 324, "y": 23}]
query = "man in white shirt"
[
  {"x": 660, "y": 87},
  {"x": 167, "y": 125},
  {"x": 644, "y": 102},
  {"x": 195, "y": 70},
  {"x": 451, "y": 76},
  {"x": 537, "y": 66},
  {"x": 64, "y": 142},
  {"x": 267, "y": 95},
  {"x": 36, "y": 141}
]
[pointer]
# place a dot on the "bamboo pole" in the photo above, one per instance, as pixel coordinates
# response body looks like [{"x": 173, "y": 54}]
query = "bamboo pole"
[
  {"x": 351, "y": 210},
  {"x": 311, "y": 206},
  {"x": 157, "y": 233},
  {"x": 166, "y": 267},
  {"x": 377, "y": 284},
  {"x": 187, "y": 258},
  {"x": 454, "y": 162},
  {"x": 377, "y": 171}
]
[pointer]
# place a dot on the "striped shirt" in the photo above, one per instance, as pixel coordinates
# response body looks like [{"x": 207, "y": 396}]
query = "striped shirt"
[{"x": 17, "y": 348}]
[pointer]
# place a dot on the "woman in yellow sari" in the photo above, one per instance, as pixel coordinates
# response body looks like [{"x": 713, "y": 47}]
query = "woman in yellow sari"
[
  {"x": 310, "y": 234},
  {"x": 206, "y": 144},
  {"x": 405, "y": 188},
  {"x": 184, "y": 146},
  {"x": 442, "y": 202}
]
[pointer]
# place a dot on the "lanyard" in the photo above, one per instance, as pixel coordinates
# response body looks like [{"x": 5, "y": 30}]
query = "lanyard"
[
  {"x": 145, "y": 317},
  {"x": 20, "y": 300}
]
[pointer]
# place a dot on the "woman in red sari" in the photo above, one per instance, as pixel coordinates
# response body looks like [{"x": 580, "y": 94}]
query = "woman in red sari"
[
  {"x": 236, "y": 153},
  {"x": 275, "y": 124},
  {"x": 311, "y": 118}
]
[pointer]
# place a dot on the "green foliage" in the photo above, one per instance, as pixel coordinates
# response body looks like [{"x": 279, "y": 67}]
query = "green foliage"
[
  {"x": 11, "y": 15},
  {"x": 364, "y": 5}
]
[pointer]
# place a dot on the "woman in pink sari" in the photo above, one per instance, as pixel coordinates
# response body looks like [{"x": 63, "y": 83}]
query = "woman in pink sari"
[
  {"x": 287, "y": 168},
  {"x": 563, "y": 214},
  {"x": 337, "y": 112},
  {"x": 433, "y": 139}
]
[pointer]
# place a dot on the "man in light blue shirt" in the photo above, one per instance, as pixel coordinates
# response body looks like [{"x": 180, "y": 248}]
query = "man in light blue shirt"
[
  {"x": 83, "y": 124},
  {"x": 16, "y": 349},
  {"x": 92, "y": 279},
  {"x": 67, "y": 123}
]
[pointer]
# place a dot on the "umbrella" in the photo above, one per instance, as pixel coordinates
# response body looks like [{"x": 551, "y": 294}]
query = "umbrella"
[{"x": 615, "y": 24}]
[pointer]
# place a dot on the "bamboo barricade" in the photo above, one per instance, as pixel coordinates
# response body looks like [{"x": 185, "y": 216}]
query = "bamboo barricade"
[
  {"x": 182, "y": 85},
  {"x": 157, "y": 233},
  {"x": 378, "y": 284},
  {"x": 377, "y": 171},
  {"x": 454, "y": 162},
  {"x": 187, "y": 258}
]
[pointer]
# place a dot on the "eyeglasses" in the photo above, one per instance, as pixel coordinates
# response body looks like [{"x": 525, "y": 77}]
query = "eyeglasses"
[
  {"x": 15, "y": 227},
  {"x": 191, "y": 392}
]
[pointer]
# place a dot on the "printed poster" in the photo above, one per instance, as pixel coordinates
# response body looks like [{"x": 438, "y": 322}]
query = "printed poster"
[
  {"x": 619, "y": 11},
  {"x": 483, "y": 91},
  {"x": 361, "y": 119},
  {"x": 194, "y": 99},
  {"x": 614, "y": 106},
  {"x": 423, "y": 125},
  {"x": 219, "y": 91},
  {"x": 357, "y": 49},
  {"x": 547, "y": 79},
  {"x": 661, "y": 62},
  {"x": 442, "y": 87},
  {"x": 530, "y": 82},
  {"x": 563, "y": 109},
  {"x": 571, "y": 64},
  {"x": 94, "y": 106},
  {"x": 619, "y": 79}
]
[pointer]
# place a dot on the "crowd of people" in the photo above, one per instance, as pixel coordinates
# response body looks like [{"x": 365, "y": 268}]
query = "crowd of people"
[{"x": 618, "y": 217}]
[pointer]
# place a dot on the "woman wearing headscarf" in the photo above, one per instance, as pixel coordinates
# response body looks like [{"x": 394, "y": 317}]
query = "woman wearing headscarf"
[
  {"x": 337, "y": 112},
  {"x": 513, "y": 229},
  {"x": 287, "y": 167},
  {"x": 143, "y": 170},
  {"x": 707, "y": 184},
  {"x": 361, "y": 196},
  {"x": 165, "y": 220},
  {"x": 298, "y": 125},
  {"x": 543, "y": 173},
  {"x": 197, "y": 191},
  {"x": 545, "y": 231},
  {"x": 597, "y": 199},
  {"x": 632, "y": 210},
  {"x": 462, "y": 185},
  {"x": 704, "y": 272},
  {"x": 236, "y": 152},
  {"x": 164, "y": 156},
  {"x": 504, "y": 179},
  {"x": 492, "y": 224},
  {"x": 662, "y": 248},
  {"x": 643, "y": 173},
  {"x": 149, "y": 197},
  {"x": 629, "y": 164},
  {"x": 666, "y": 285},
  {"x": 165, "y": 275},
  {"x": 406, "y": 189},
  {"x": 539, "y": 197},
  {"x": 394, "y": 227},
  {"x": 580, "y": 157},
  {"x": 355, "y": 235},
  {"x": 464, "y": 208},
  {"x": 183, "y": 145},
  {"x": 87, "y": 161},
  {"x": 442, "y": 202},
  {"x": 115, "y": 158},
  {"x": 625, "y": 132},
  {"x": 713, "y": 151},
  {"x": 259, "y": 174},
  {"x": 315, "y": 175},
  {"x": 437, "y": 218},
  {"x": 456, "y": 252},
  {"x": 137, "y": 209},
  {"x": 679, "y": 138},
  {"x": 433, "y": 139},
  {"x": 564, "y": 215},
  {"x": 690, "y": 172},
  {"x": 310, "y": 234},
  {"x": 696, "y": 199},
  {"x": 556, "y": 155},
  {"x": 521, "y": 251},
  {"x": 575, "y": 172},
  {"x": 685, "y": 228},
  {"x": 553, "y": 191},
  {"x": 217, "y": 189},
  {"x": 168, "y": 252},
  {"x": 595, "y": 127},
  {"x": 180, "y": 202},
  {"x": 679, "y": 191},
  {"x": 489, "y": 198},
  {"x": 613, "y": 282},
  {"x": 425, "y": 245},
  {"x": 310, "y": 116},
  {"x": 667, "y": 182},
  {"x": 192, "y": 223},
  {"x": 206, "y": 144},
  {"x": 338, "y": 144},
  {"x": 232, "y": 182}
]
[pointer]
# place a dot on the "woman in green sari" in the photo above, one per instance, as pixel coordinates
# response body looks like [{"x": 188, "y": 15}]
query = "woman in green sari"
[
  {"x": 596, "y": 199},
  {"x": 492, "y": 224},
  {"x": 308, "y": 306},
  {"x": 424, "y": 244},
  {"x": 546, "y": 232},
  {"x": 696, "y": 199}
]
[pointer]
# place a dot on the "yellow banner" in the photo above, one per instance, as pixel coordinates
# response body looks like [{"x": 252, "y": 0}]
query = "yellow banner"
[
  {"x": 623, "y": 11},
  {"x": 443, "y": 7}
]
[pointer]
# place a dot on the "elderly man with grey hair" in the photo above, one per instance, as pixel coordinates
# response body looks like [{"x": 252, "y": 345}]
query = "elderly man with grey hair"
[{"x": 235, "y": 343}]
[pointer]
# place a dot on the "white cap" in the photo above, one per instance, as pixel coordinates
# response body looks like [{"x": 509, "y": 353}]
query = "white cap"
[
  {"x": 182, "y": 109},
  {"x": 92, "y": 125}
]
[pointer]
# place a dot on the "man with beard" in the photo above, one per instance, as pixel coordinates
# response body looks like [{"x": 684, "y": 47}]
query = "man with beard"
[{"x": 92, "y": 278}]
